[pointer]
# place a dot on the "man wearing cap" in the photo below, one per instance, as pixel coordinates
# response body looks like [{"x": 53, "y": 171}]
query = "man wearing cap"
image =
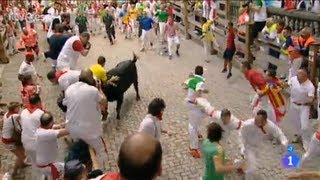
[
  {"x": 71, "y": 51},
  {"x": 84, "y": 104},
  {"x": 47, "y": 146}
]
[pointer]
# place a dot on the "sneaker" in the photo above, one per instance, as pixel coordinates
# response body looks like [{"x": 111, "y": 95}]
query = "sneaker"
[
  {"x": 224, "y": 70},
  {"x": 195, "y": 153},
  {"x": 177, "y": 53},
  {"x": 170, "y": 57},
  {"x": 229, "y": 75}
]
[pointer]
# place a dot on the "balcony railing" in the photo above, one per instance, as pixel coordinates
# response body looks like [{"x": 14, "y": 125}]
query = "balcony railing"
[{"x": 297, "y": 20}]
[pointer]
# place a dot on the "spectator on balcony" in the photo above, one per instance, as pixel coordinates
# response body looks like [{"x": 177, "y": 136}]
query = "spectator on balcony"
[
  {"x": 281, "y": 39},
  {"x": 295, "y": 59},
  {"x": 270, "y": 30},
  {"x": 260, "y": 16},
  {"x": 286, "y": 37},
  {"x": 304, "y": 42}
]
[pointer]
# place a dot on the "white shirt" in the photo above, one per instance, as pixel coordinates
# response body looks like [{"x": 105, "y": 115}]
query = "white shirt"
[
  {"x": 29, "y": 123},
  {"x": 212, "y": 9},
  {"x": 8, "y": 127},
  {"x": 261, "y": 15},
  {"x": 234, "y": 124},
  {"x": 27, "y": 69},
  {"x": 68, "y": 57},
  {"x": 300, "y": 93},
  {"x": 83, "y": 115},
  {"x": 151, "y": 125},
  {"x": 206, "y": 9},
  {"x": 252, "y": 136},
  {"x": 46, "y": 146},
  {"x": 68, "y": 78},
  {"x": 192, "y": 93},
  {"x": 50, "y": 30}
]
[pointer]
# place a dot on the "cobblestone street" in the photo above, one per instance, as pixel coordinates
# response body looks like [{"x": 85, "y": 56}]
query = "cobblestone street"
[{"x": 158, "y": 77}]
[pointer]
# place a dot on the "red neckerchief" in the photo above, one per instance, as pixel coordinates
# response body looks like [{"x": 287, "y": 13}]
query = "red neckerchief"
[
  {"x": 264, "y": 132},
  {"x": 32, "y": 108},
  {"x": 59, "y": 74},
  {"x": 44, "y": 127},
  {"x": 318, "y": 135},
  {"x": 159, "y": 116},
  {"x": 111, "y": 176},
  {"x": 10, "y": 113}
]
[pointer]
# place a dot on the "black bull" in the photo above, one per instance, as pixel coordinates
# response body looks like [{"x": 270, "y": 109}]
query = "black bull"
[{"x": 127, "y": 73}]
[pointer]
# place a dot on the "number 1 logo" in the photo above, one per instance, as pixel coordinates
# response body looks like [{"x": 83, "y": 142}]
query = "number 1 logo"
[{"x": 290, "y": 161}]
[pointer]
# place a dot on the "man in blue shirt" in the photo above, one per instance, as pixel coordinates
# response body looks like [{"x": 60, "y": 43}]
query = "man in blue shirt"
[{"x": 146, "y": 24}]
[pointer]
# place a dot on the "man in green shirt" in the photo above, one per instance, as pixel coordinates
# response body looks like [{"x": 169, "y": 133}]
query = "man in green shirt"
[
  {"x": 82, "y": 22},
  {"x": 162, "y": 16},
  {"x": 214, "y": 157},
  {"x": 108, "y": 20}
]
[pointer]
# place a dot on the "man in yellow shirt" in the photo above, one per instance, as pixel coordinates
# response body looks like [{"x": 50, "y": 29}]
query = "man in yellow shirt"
[
  {"x": 100, "y": 73},
  {"x": 133, "y": 13},
  {"x": 98, "y": 70}
]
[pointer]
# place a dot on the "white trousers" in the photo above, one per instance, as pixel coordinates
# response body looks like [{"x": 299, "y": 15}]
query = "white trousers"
[
  {"x": 294, "y": 67},
  {"x": 162, "y": 26},
  {"x": 133, "y": 24},
  {"x": 31, "y": 155},
  {"x": 12, "y": 44},
  {"x": 265, "y": 105},
  {"x": 207, "y": 49},
  {"x": 313, "y": 153},
  {"x": 46, "y": 171},
  {"x": 93, "y": 24},
  {"x": 195, "y": 118},
  {"x": 250, "y": 155},
  {"x": 146, "y": 38},
  {"x": 299, "y": 115},
  {"x": 172, "y": 41}
]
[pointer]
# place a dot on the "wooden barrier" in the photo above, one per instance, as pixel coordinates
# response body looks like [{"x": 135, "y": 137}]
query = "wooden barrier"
[
  {"x": 3, "y": 54},
  {"x": 229, "y": 11}
]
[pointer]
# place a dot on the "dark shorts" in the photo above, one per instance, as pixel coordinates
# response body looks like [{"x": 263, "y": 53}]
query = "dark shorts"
[
  {"x": 228, "y": 54},
  {"x": 257, "y": 27}
]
